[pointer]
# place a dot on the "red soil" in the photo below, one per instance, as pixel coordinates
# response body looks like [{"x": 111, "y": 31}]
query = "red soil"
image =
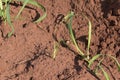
[{"x": 26, "y": 55}]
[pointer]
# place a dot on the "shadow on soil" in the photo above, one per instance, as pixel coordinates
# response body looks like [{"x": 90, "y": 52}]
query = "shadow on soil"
[
  {"x": 110, "y": 5},
  {"x": 79, "y": 68}
]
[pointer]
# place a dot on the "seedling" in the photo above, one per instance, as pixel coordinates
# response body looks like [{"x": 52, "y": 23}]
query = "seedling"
[
  {"x": 33, "y": 2},
  {"x": 5, "y": 11},
  {"x": 86, "y": 56},
  {"x": 68, "y": 21}
]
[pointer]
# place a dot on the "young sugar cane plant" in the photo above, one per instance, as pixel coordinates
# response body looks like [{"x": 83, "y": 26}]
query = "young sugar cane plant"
[
  {"x": 5, "y": 11},
  {"x": 86, "y": 56}
]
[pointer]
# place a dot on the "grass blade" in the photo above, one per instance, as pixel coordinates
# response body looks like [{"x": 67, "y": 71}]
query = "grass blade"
[
  {"x": 1, "y": 6},
  {"x": 93, "y": 59},
  {"x": 39, "y": 6},
  {"x": 89, "y": 34},
  {"x": 68, "y": 20},
  {"x": 118, "y": 64},
  {"x": 104, "y": 73},
  {"x": 9, "y": 19},
  {"x": 24, "y": 4},
  {"x": 68, "y": 16},
  {"x": 55, "y": 50}
]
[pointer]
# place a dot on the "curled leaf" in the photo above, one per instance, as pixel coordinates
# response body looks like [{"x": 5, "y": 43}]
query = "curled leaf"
[
  {"x": 35, "y": 4},
  {"x": 68, "y": 21}
]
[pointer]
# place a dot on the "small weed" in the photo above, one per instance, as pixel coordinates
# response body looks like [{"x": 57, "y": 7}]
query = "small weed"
[
  {"x": 68, "y": 21},
  {"x": 5, "y": 14},
  {"x": 86, "y": 56},
  {"x": 5, "y": 11}
]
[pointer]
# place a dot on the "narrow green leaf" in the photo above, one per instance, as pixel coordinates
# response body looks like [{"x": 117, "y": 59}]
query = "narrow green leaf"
[
  {"x": 89, "y": 34},
  {"x": 9, "y": 19},
  {"x": 68, "y": 20},
  {"x": 118, "y": 64},
  {"x": 105, "y": 73},
  {"x": 93, "y": 59},
  {"x": 68, "y": 16},
  {"x": 1, "y": 5},
  {"x": 24, "y": 4},
  {"x": 39, "y": 6},
  {"x": 1, "y": 9},
  {"x": 55, "y": 50}
]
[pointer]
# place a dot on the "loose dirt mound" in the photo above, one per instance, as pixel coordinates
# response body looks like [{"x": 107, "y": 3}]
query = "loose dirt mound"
[{"x": 26, "y": 55}]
